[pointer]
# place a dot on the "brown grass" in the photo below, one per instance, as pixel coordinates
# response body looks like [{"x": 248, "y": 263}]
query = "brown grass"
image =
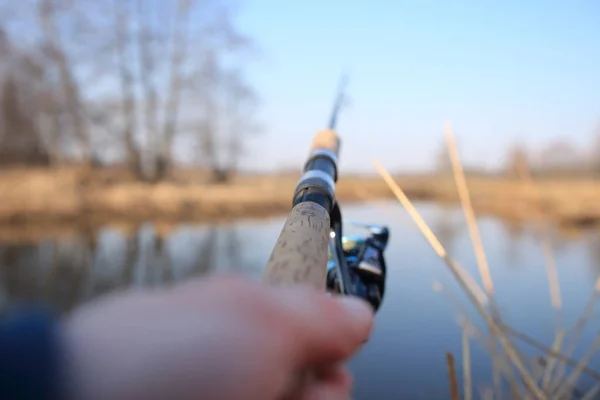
[
  {"x": 544, "y": 205},
  {"x": 467, "y": 285},
  {"x": 76, "y": 194}
]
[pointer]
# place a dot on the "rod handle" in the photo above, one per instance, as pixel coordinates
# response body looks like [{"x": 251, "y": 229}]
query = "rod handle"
[{"x": 301, "y": 252}]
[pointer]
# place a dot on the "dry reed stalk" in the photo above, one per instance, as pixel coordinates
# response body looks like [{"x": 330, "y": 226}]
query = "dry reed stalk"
[
  {"x": 430, "y": 236},
  {"x": 548, "y": 351},
  {"x": 499, "y": 363},
  {"x": 552, "y": 353},
  {"x": 452, "y": 376},
  {"x": 486, "y": 393},
  {"x": 556, "y": 346},
  {"x": 502, "y": 363},
  {"x": 465, "y": 200},
  {"x": 581, "y": 366},
  {"x": 551, "y": 272},
  {"x": 361, "y": 194},
  {"x": 496, "y": 374},
  {"x": 537, "y": 370},
  {"x": 455, "y": 270},
  {"x": 547, "y": 249},
  {"x": 451, "y": 297},
  {"x": 592, "y": 393},
  {"x": 466, "y": 359},
  {"x": 578, "y": 328},
  {"x": 555, "y": 295}
]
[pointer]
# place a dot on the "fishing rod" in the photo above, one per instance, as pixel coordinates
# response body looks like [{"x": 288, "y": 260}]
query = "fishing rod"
[
  {"x": 339, "y": 101},
  {"x": 311, "y": 248},
  {"x": 300, "y": 254}
]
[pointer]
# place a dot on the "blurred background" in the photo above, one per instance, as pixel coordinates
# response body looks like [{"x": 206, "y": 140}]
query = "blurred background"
[{"x": 144, "y": 142}]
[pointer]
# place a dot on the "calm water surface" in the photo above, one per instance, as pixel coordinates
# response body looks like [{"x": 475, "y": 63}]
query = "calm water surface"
[{"x": 416, "y": 326}]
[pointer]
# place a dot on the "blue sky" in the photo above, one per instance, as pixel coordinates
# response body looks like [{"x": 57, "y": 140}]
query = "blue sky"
[{"x": 499, "y": 71}]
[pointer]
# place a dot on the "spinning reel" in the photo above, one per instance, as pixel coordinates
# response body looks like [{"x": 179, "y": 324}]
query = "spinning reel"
[{"x": 356, "y": 264}]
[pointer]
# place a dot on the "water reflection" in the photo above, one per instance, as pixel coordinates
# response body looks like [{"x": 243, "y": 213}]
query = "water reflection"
[
  {"x": 447, "y": 226},
  {"x": 405, "y": 357},
  {"x": 514, "y": 233},
  {"x": 66, "y": 271},
  {"x": 593, "y": 240}
]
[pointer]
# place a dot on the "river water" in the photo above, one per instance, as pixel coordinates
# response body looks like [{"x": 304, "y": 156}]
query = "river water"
[{"x": 416, "y": 326}]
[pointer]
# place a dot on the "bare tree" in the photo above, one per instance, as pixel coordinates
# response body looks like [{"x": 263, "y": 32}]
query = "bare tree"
[
  {"x": 19, "y": 135},
  {"x": 47, "y": 10},
  {"x": 207, "y": 127},
  {"x": 127, "y": 86},
  {"x": 560, "y": 158},
  {"x": 178, "y": 58},
  {"x": 173, "y": 75},
  {"x": 118, "y": 85},
  {"x": 594, "y": 157},
  {"x": 21, "y": 86},
  {"x": 147, "y": 43},
  {"x": 240, "y": 107},
  {"x": 516, "y": 161},
  {"x": 443, "y": 165},
  {"x": 229, "y": 103}
]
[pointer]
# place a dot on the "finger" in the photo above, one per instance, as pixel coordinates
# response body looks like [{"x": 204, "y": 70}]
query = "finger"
[
  {"x": 320, "y": 328},
  {"x": 335, "y": 378},
  {"x": 219, "y": 288},
  {"x": 337, "y": 375},
  {"x": 324, "y": 391},
  {"x": 333, "y": 382},
  {"x": 307, "y": 327},
  {"x": 314, "y": 326},
  {"x": 216, "y": 282}
]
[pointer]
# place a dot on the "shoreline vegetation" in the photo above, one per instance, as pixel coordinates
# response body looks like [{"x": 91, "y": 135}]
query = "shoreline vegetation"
[{"x": 76, "y": 195}]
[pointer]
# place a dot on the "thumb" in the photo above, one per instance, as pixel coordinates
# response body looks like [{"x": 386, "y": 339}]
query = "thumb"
[{"x": 320, "y": 328}]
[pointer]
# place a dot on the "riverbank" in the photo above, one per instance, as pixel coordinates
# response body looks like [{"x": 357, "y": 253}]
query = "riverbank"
[
  {"x": 43, "y": 196},
  {"x": 38, "y": 195}
]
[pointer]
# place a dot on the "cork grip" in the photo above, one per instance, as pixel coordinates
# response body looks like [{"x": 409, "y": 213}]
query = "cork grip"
[{"x": 301, "y": 252}]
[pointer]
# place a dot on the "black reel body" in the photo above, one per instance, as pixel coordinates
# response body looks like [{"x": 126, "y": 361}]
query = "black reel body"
[{"x": 363, "y": 258}]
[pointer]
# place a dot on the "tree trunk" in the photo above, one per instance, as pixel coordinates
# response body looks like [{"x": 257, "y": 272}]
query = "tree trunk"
[
  {"x": 178, "y": 57},
  {"x": 128, "y": 95},
  {"x": 69, "y": 85}
]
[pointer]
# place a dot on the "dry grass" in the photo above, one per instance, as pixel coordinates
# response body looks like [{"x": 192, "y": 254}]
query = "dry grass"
[
  {"x": 545, "y": 201},
  {"x": 468, "y": 285},
  {"x": 73, "y": 193}
]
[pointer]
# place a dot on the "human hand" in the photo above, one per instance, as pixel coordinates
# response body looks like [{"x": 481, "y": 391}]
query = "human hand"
[{"x": 222, "y": 338}]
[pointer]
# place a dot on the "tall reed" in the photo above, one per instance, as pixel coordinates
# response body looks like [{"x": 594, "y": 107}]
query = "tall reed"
[{"x": 550, "y": 383}]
